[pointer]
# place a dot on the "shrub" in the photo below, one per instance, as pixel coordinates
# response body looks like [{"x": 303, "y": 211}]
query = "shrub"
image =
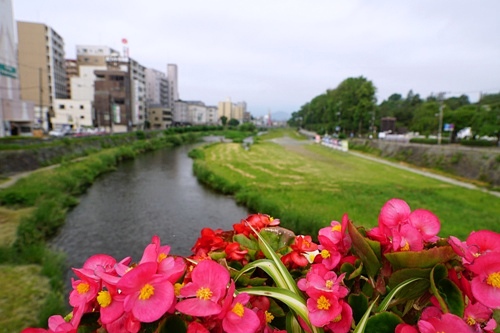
[{"x": 478, "y": 143}]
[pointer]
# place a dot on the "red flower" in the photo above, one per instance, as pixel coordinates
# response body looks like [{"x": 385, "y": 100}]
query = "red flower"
[
  {"x": 234, "y": 252},
  {"x": 210, "y": 240}
]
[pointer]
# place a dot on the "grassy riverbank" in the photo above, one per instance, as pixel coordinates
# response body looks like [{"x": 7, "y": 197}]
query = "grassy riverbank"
[
  {"x": 34, "y": 209},
  {"x": 307, "y": 186}
]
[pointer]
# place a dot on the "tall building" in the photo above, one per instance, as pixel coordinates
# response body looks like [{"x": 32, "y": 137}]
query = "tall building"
[
  {"x": 71, "y": 71},
  {"x": 173, "y": 89},
  {"x": 89, "y": 58},
  {"x": 16, "y": 116},
  {"x": 232, "y": 110},
  {"x": 120, "y": 91},
  {"x": 42, "y": 74},
  {"x": 156, "y": 87}
]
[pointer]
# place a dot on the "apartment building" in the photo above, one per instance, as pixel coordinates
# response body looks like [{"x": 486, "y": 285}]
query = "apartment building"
[
  {"x": 16, "y": 116},
  {"x": 232, "y": 110},
  {"x": 156, "y": 87},
  {"x": 42, "y": 72},
  {"x": 159, "y": 116}
]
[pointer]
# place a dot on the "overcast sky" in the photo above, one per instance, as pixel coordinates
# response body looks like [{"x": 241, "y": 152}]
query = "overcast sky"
[{"x": 278, "y": 55}]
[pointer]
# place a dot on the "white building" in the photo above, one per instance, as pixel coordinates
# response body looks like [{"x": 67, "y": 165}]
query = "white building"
[
  {"x": 156, "y": 87},
  {"x": 72, "y": 113}
]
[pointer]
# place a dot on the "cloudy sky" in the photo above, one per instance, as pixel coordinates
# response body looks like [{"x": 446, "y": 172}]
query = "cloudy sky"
[{"x": 278, "y": 54}]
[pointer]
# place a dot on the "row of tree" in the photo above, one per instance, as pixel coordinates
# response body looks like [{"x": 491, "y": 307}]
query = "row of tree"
[{"x": 352, "y": 108}]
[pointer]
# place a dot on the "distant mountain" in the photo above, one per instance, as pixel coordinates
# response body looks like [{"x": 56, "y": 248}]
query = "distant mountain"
[{"x": 280, "y": 116}]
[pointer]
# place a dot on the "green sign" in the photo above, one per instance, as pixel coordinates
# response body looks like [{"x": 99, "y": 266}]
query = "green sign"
[{"x": 7, "y": 70}]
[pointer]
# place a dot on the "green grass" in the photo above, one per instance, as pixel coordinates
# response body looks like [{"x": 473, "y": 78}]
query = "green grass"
[
  {"x": 21, "y": 285},
  {"x": 308, "y": 186}
]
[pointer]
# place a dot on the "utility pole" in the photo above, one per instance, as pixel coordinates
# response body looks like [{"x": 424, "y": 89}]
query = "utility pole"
[
  {"x": 441, "y": 107},
  {"x": 40, "y": 89}
]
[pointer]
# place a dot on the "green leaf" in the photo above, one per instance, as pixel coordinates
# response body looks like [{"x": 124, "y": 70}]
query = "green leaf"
[
  {"x": 278, "y": 237},
  {"x": 364, "y": 251},
  {"x": 267, "y": 266},
  {"x": 435, "y": 291},
  {"x": 246, "y": 242},
  {"x": 417, "y": 289},
  {"x": 270, "y": 254},
  {"x": 421, "y": 259},
  {"x": 296, "y": 303},
  {"x": 359, "y": 305},
  {"x": 385, "y": 303},
  {"x": 292, "y": 324},
  {"x": 452, "y": 296},
  {"x": 360, "y": 327},
  {"x": 174, "y": 324},
  {"x": 385, "y": 322}
]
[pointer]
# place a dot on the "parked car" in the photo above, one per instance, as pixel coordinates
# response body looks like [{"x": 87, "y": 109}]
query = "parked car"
[{"x": 60, "y": 132}]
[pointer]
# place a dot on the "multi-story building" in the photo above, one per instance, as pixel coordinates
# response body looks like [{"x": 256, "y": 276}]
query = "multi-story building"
[
  {"x": 42, "y": 74},
  {"x": 156, "y": 87},
  {"x": 212, "y": 118},
  {"x": 16, "y": 116},
  {"x": 197, "y": 113},
  {"x": 71, "y": 71},
  {"x": 173, "y": 89},
  {"x": 232, "y": 110},
  {"x": 159, "y": 116},
  {"x": 181, "y": 113},
  {"x": 112, "y": 101},
  {"x": 72, "y": 113}
]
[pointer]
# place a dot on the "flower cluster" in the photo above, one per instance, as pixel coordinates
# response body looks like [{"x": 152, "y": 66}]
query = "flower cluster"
[{"x": 262, "y": 278}]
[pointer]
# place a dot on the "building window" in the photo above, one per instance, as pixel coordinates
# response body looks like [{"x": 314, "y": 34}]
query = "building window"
[
  {"x": 62, "y": 106},
  {"x": 82, "y": 107},
  {"x": 82, "y": 117}
]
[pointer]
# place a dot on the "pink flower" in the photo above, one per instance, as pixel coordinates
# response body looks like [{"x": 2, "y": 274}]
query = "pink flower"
[
  {"x": 147, "y": 295},
  {"x": 405, "y": 328},
  {"x": 84, "y": 290},
  {"x": 394, "y": 213},
  {"x": 407, "y": 239},
  {"x": 478, "y": 243},
  {"x": 486, "y": 285},
  {"x": 127, "y": 323},
  {"x": 196, "y": 327},
  {"x": 208, "y": 287},
  {"x": 240, "y": 319},
  {"x": 426, "y": 223},
  {"x": 342, "y": 323},
  {"x": 447, "y": 323},
  {"x": 323, "y": 307},
  {"x": 111, "y": 303},
  {"x": 319, "y": 278},
  {"x": 478, "y": 316}
]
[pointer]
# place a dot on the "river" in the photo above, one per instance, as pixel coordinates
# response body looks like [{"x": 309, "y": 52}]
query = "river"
[{"x": 154, "y": 194}]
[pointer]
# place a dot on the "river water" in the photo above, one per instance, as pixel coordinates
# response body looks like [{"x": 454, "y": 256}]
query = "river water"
[{"x": 154, "y": 194}]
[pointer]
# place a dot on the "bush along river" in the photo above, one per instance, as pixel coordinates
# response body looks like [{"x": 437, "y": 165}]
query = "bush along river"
[{"x": 154, "y": 194}]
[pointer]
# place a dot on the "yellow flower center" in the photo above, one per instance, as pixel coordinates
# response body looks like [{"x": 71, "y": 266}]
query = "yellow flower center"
[
  {"x": 337, "y": 227},
  {"x": 83, "y": 288},
  {"x": 406, "y": 247},
  {"x": 161, "y": 256},
  {"x": 269, "y": 317},
  {"x": 325, "y": 254},
  {"x": 271, "y": 219},
  {"x": 323, "y": 303},
  {"x": 104, "y": 298},
  {"x": 177, "y": 288},
  {"x": 494, "y": 280},
  {"x": 306, "y": 243},
  {"x": 238, "y": 309},
  {"x": 471, "y": 321},
  {"x": 337, "y": 319},
  {"x": 147, "y": 291},
  {"x": 329, "y": 284},
  {"x": 204, "y": 293}
]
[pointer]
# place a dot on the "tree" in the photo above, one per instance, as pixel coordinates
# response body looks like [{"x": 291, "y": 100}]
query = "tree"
[
  {"x": 233, "y": 122},
  {"x": 425, "y": 120},
  {"x": 223, "y": 120}
]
